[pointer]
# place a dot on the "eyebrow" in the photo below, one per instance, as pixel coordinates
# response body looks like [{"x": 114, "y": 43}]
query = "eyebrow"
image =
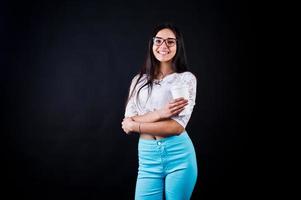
[{"x": 163, "y": 38}]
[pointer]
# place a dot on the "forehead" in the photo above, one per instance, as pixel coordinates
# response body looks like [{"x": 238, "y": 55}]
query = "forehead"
[{"x": 166, "y": 33}]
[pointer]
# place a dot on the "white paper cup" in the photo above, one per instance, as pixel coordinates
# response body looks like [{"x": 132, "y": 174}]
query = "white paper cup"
[{"x": 179, "y": 91}]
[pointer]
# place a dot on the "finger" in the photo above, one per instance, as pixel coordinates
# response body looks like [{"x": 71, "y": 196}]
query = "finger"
[
  {"x": 126, "y": 130},
  {"x": 178, "y": 111},
  {"x": 182, "y": 104},
  {"x": 172, "y": 105},
  {"x": 174, "y": 109},
  {"x": 179, "y": 99},
  {"x": 178, "y": 106},
  {"x": 176, "y": 103},
  {"x": 182, "y": 101},
  {"x": 172, "y": 101},
  {"x": 176, "y": 100}
]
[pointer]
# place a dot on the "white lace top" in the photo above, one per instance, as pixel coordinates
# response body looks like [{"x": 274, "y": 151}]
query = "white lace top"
[{"x": 161, "y": 95}]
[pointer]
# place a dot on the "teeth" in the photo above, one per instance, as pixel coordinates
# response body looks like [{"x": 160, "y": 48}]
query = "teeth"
[{"x": 163, "y": 52}]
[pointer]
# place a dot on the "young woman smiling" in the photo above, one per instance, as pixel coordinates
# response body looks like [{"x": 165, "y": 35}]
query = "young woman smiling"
[{"x": 167, "y": 159}]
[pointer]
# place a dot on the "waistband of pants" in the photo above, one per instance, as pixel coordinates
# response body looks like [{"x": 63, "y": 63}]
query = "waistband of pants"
[{"x": 170, "y": 139}]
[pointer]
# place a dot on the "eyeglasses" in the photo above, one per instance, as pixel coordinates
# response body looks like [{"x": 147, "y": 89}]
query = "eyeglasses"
[{"x": 169, "y": 41}]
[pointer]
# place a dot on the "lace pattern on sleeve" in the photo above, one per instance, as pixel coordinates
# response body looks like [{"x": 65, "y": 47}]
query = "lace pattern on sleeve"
[{"x": 190, "y": 80}]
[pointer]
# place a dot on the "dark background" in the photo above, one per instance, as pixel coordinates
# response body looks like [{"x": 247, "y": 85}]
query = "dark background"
[{"x": 65, "y": 71}]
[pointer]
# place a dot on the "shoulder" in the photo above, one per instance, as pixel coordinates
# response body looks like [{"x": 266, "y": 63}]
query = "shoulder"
[
  {"x": 188, "y": 76},
  {"x": 136, "y": 77}
]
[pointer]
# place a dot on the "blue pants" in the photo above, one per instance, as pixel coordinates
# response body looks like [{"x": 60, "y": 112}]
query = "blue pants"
[{"x": 167, "y": 167}]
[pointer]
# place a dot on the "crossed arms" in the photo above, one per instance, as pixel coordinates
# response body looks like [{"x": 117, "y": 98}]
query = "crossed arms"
[{"x": 158, "y": 122}]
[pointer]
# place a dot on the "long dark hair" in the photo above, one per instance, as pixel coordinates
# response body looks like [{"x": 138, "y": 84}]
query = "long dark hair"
[{"x": 151, "y": 65}]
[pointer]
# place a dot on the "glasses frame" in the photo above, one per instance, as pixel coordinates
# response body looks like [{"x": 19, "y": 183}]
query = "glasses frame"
[{"x": 164, "y": 40}]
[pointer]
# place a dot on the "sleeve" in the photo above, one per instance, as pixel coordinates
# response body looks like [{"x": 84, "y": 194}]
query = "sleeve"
[
  {"x": 190, "y": 80},
  {"x": 131, "y": 107}
]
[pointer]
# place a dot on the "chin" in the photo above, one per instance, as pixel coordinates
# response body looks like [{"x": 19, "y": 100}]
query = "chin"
[{"x": 163, "y": 59}]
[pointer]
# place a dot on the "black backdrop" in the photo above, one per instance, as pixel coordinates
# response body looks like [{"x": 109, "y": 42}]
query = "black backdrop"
[{"x": 65, "y": 72}]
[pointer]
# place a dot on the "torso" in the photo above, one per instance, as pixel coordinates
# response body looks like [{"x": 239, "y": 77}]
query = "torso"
[
  {"x": 161, "y": 98},
  {"x": 147, "y": 136},
  {"x": 150, "y": 137}
]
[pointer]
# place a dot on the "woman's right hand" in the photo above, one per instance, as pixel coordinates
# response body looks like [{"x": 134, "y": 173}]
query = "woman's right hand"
[{"x": 174, "y": 107}]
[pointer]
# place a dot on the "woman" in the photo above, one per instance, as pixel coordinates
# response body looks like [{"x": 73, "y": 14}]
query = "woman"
[{"x": 167, "y": 160}]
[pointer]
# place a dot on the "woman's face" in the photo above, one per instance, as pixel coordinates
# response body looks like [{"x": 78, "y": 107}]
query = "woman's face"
[{"x": 164, "y": 45}]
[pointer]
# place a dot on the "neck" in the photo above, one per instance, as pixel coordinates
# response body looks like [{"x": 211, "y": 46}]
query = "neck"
[{"x": 165, "y": 68}]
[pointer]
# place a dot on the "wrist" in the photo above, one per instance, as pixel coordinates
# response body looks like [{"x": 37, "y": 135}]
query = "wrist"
[
  {"x": 139, "y": 128},
  {"x": 136, "y": 126}
]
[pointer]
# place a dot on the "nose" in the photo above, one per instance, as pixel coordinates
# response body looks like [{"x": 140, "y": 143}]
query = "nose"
[{"x": 164, "y": 45}]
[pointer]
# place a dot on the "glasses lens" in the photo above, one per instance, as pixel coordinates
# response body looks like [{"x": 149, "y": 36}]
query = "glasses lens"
[
  {"x": 158, "y": 41},
  {"x": 171, "y": 42}
]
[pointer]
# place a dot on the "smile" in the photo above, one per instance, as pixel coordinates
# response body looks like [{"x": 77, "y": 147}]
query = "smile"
[{"x": 163, "y": 52}]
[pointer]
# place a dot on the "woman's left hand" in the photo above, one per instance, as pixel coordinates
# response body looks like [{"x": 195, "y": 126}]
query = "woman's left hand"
[{"x": 128, "y": 125}]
